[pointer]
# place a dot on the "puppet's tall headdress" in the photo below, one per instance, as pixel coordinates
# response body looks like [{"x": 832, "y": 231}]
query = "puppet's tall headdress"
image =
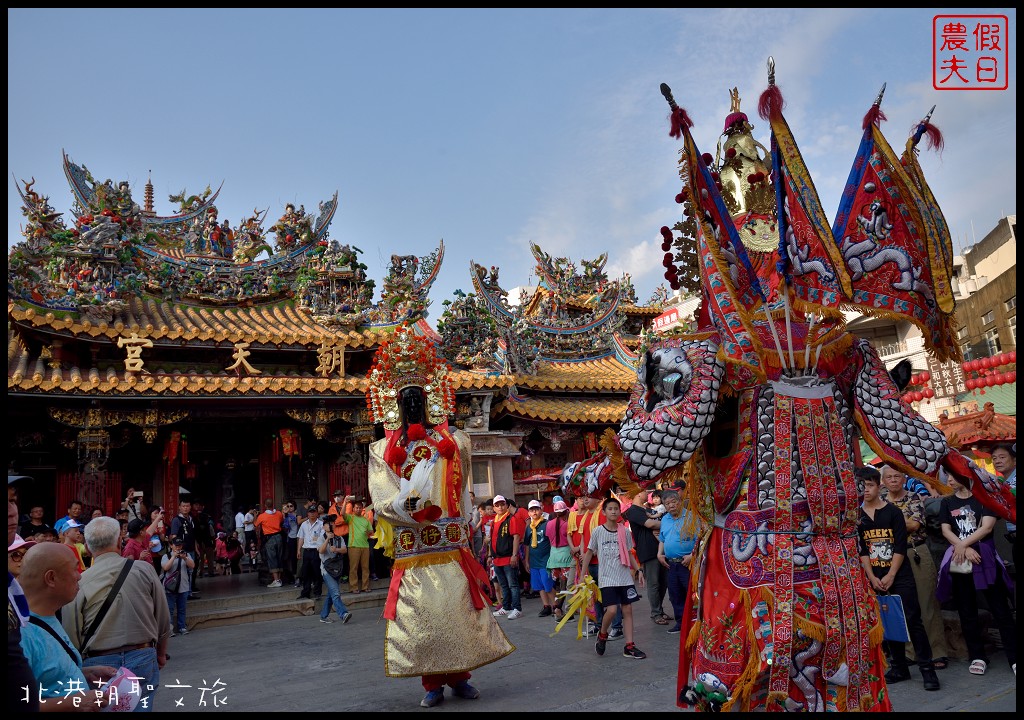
[{"x": 407, "y": 360}]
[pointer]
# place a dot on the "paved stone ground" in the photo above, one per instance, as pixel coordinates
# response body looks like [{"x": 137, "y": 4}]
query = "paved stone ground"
[{"x": 300, "y": 664}]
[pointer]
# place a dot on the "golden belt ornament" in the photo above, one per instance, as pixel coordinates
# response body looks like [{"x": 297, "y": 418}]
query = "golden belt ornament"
[{"x": 443, "y": 535}]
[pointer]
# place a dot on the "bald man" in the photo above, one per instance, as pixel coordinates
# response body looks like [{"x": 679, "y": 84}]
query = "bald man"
[{"x": 49, "y": 579}]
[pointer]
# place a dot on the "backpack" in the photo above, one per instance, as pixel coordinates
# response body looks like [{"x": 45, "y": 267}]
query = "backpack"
[{"x": 503, "y": 543}]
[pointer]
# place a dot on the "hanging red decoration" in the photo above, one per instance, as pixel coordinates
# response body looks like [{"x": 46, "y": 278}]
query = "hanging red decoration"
[
  {"x": 1012, "y": 357},
  {"x": 1011, "y": 377},
  {"x": 928, "y": 393},
  {"x": 926, "y": 376},
  {"x": 969, "y": 383}
]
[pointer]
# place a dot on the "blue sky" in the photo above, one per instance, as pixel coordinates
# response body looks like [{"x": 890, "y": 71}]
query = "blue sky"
[{"x": 487, "y": 128}]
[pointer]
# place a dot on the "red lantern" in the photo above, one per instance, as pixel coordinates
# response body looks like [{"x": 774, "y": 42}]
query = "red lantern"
[
  {"x": 988, "y": 363},
  {"x": 1012, "y": 357},
  {"x": 916, "y": 396},
  {"x": 989, "y": 381},
  {"x": 928, "y": 393},
  {"x": 1011, "y": 377},
  {"x": 969, "y": 366},
  {"x": 969, "y": 383},
  {"x": 926, "y": 376}
]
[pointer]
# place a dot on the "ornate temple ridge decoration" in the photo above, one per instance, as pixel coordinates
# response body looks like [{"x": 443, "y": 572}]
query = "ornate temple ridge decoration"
[
  {"x": 571, "y": 316},
  {"x": 95, "y": 419},
  {"x": 114, "y": 251}
]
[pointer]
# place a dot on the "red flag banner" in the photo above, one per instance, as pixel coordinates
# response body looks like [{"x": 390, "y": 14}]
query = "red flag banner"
[{"x": 881, "y": 235}]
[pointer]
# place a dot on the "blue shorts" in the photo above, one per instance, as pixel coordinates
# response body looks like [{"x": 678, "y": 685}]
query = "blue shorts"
[
  {"x": 619, "y": 595},
  {"x": 540, "y": 579}
]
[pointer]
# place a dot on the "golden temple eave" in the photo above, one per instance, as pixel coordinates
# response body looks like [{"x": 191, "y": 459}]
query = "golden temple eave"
[
  {"x": 562, "y": 410},
  {"x": 469, "y": 380},
  {"x": 278, "y": 324},
  {"x": 605, "y": 374},
  {"x": 642, "y": 310}
]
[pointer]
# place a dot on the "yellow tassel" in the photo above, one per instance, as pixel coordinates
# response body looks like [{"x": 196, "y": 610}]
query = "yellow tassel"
[
  {"x": 418, "y": 561},
  {"x": 580, "y": 596},
  {"x": 840, "y": 697},
  {"x": 692, "y": 636},
  {"x": 810, "y": 629},
  {"x": 875, "y": 637},
  {"x": 385, "y": 537}
]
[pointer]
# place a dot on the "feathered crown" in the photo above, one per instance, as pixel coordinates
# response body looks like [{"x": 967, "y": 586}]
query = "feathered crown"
[{"x": 408, "y": 361}]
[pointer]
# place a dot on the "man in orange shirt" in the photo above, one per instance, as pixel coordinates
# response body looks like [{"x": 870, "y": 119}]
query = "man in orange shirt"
[
  {"x": 270, "y": 524},
  {"x": 340, "y": 507}
]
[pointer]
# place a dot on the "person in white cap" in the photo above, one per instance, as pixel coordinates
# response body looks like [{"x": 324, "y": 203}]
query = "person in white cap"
[
  {"x": 507, "y": 532},
  {"x": 538, "y": 549},
  {"x": 71, "y": 535},
  {"x": 560, "y": 560},
  {"x": 16, "y": 553}
]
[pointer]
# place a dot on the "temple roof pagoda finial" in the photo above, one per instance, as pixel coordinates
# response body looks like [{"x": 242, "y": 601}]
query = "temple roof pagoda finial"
[{"x": 148, "y": 208}]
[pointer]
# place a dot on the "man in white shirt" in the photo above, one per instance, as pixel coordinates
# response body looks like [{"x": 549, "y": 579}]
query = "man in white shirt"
[
  {"x": 240, "y": 527},
  {"x": 310, "y": 534}
]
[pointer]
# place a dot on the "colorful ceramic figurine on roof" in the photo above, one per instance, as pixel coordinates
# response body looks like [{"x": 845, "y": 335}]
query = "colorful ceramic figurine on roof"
[
  {"x": 439, "y": 623},
  {"x": 760, "y": 409}
]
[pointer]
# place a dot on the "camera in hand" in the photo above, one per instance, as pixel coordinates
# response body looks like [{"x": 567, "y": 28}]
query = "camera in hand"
[{"x": 330, "y": 520}]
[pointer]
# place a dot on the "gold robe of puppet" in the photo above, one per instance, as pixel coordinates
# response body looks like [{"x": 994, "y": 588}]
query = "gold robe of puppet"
[{"x": 438, "y": 618}]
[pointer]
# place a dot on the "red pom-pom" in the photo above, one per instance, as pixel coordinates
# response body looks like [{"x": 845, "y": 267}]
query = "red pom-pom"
[
  {"x": 447, "y": 448},
  {"x": 730, "y": 153},
  {"x": 680, "y": 198},
  {"x": 770, "y": 104},
  {"x": 875, "y": 116},
  {"x": 706, "y": 157},
  {"x": 935, "y": 140},
  {"x": 417, "y": 432},
  {"x": 667, "y": 260},
  {"x": 396, "y": 455},
  {"x": 679, "y": 120},
  {"x": 666, "y": 233}
]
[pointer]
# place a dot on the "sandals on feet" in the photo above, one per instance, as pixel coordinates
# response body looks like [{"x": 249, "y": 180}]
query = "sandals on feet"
[
  {"x": 941, "y": 663},
  {"x": 978, "y": 667},
  {"x": 660, "y": 620}
]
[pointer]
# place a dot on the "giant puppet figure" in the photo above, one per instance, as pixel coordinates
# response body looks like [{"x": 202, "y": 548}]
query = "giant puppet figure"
[
  {"x": 439, "y": 623},
  {"x": 761, "y": 407}
]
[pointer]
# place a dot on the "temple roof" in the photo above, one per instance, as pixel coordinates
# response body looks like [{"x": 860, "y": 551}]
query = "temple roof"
[
  {"x": 278, "y": 324},
  {"x": 605, "y": 374},
  {"x": 984, "y": 426},
  {"x": 33, "y": 373},
  {"x": 596, "y": 410}
]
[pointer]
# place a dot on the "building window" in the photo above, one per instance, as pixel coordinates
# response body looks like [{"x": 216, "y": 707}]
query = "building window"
[
  {"x": 482, "y": 473},
  {"x": 961, "y": 333},
  {"x": 1013, "y": 329},
  {"x": 988, "y": 318},
  {"x": 992, "y": 340},
  {"x": 1011, "y": 303},
  {"x": 966, "y": 349}
]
